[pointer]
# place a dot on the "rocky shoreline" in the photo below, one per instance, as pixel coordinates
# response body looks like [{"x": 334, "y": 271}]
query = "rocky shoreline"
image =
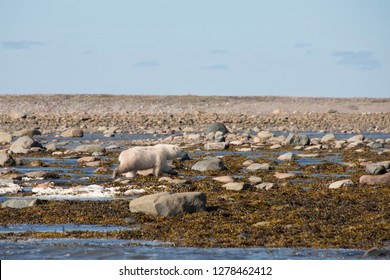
[{"x": 253, "y": 180}]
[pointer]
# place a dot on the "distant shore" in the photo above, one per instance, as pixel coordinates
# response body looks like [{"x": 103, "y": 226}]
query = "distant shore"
[
  {"x": 105, "y": 103},
  {"x": 164, "y": 114}
]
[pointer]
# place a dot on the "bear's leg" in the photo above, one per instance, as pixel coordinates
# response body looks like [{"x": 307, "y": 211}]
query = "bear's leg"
[{"x": 123, "y": 169}]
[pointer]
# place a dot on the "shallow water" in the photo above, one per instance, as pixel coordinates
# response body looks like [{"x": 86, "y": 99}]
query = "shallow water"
[
  {"x": 92, "y": 249},
  {"x": 133, "y": 249}
]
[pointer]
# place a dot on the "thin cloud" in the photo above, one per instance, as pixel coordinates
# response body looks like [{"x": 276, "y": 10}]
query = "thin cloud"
[
  {"x": 303, "y": 45},
  {"x": 21, "y": 45},
  {"x": 217, "y": 51},
  {"x": 216, "y": 67},
  {"x": 361, "y": 59},
  {"x": 148, "y": 63}
]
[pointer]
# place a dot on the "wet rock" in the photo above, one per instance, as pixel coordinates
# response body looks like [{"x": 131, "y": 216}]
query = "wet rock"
[
  {"x": 27, "y": 132},
  {"x": 73, "y": 132},
  {"x": 8, "y": 186},
  {"x": 209, "y": 164},
  {"x": 224, "y": 179},
  {"x": 286, "y": 156},
  {"x": 216, "y": 146},
  {"x": 279, "y": 175},
  {"x": 217, "y": 126},
  {"x": 21, "y": 203},
  {"x": 265, "y": 186},
  {"x": 169, "y": 204},
  {"x": 328, "y": 137},
  {"x": 90, "y": 149},
  {"x": 297, "y": 139},
  {"x": 6, "y": 160},
  {"x": 5, "y": 137},
  {"x": 341, "y": 183},
  {"x": 375, "y": 179},
  {"x": 259, "y": 166},
  {"x": 238, "y": 186},
  {"x": 308, "y": 155},
  {"x": 42, "y": 174},
  {"x": 375, "y": 169},
  {"x": 86, "y": 159},
  {"x": 23, "y": 145}
]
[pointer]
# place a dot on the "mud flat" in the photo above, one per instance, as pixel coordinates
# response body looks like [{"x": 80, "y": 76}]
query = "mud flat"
[{"x": 287, "y": 179}]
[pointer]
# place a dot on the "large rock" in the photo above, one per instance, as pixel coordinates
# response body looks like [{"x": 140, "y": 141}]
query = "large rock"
[
  {"x": 287, "y": 156},
  {"x": 90, "y": 149},
  {"x": 375, "y": 169},
  {"x": 209, "y": 164},
  {"x": 169, "y": 204},
  {"x": 297, "y": 139},
  {"x": 23, "y": 145},
  {"x": 42, "y": 174},
  {"x": 6, "y": 160},
  {"x": 356, "y": 138},
  {"x": 265, "y": 135},
  {"x": 5, "y": 137},
  {"x": 217, "y": 126},
  {"x": 21, "y": 203},
  {"x": 375, "y": 179},
  {"x": 73, "y": 132}
]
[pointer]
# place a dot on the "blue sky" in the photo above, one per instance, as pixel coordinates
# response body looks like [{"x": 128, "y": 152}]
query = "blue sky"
[{"x": 288, "y": 48}]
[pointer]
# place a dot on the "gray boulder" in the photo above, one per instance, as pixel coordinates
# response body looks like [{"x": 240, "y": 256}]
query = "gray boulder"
[
  {"x": 209, "y": 164},
  {"x": 297, "y": 139},
  {"x": 216, "y": 146},
  {"x": 169, "y": 204},
  {"x": 90, "y": 149},
  {"x": 375, "y": 169},
  {"x": 6, "y": 160},
  {"x": 5, "y": 137},
  {"x": 259, "y": 166},
  {"x": 23, "y": 145},
  {"x": 217, "y": 126},
  {"x": 21, "y": 203},
  {"x": 328, "y": 137}
]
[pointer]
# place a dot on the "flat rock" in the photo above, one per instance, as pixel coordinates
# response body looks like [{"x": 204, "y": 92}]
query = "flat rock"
[
  {"x": 265, "y": 135},
  {"x": 21, "y": 203},
  {"x": 259, "y": 166},
  {"x": 341, "y": 183},
  {"x": 224, "y": 179},
  {"x": 279, "y": 175},
  {"x": 169, "y": 204},
  {"x": 238, "y": 186},
  {"x": 90, "y": 149},
  {"x": 210, "y": 164},
  {"x": 73, "y": 132},
  {"x": 87, "y": 159},
  {"x": 27, "y": 132},
  {"x": 314, "y": 155},
  {"x": 42, "y": 174},
  {"x": 356, "y": 138},
  {"x": 375, "y": 179},
  {"x": 276, "y": 146},
  {"x": 215, "y": 146},
  {"x": 236, "y": 143}
]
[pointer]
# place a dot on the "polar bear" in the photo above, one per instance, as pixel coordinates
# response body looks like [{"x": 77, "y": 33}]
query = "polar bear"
[{"x": 149, "y": 157}]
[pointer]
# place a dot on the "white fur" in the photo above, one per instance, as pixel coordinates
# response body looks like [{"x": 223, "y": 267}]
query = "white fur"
[{"x": 143, "y": 158}]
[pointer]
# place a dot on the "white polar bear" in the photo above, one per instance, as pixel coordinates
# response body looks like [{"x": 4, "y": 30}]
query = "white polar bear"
[{"x": 149, "y": 157}]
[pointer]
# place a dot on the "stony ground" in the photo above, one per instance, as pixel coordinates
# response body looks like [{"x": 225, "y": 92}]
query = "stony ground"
[{"x": 300, "y": 211}]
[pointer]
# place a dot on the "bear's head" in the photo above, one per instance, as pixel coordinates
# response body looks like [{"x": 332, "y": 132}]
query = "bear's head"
[{"x": 180, "y": 153}]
